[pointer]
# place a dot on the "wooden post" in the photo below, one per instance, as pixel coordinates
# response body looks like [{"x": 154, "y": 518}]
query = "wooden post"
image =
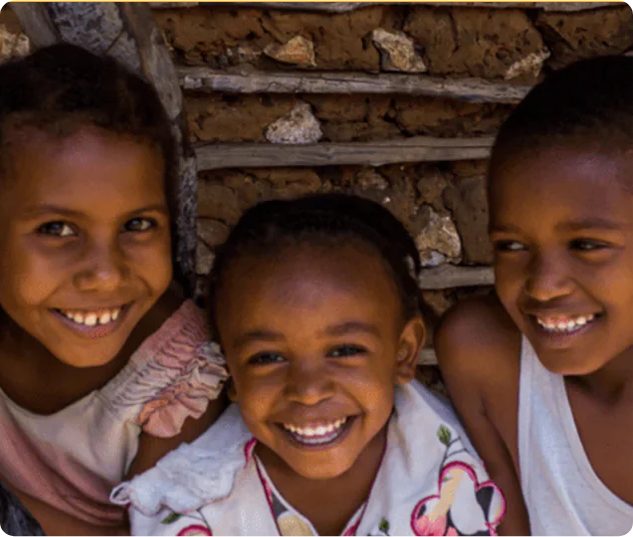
[{"x": 127, "y": 32}]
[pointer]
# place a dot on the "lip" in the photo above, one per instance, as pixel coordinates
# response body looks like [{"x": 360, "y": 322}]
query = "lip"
[
  {"x": 97, "y": 331},
  {"x": 351, "y": 420},
  {"x": 561, "y": 340}
]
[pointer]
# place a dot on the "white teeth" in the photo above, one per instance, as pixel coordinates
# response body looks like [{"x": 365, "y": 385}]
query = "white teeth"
[
  {"x": 91, "y": 318},
  {"x": 321, "y": 430},
  {"x": 566, "y": 326}
]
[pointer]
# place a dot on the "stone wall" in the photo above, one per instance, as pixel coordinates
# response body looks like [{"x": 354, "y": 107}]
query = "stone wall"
[{"x": 443, "y": 204}]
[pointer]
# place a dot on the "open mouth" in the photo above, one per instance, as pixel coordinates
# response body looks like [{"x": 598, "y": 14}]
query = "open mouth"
[
  {"x": 565, "y": 325},
  {"x": 95, "y": 323},
  {"x": 318, "y": 435}
]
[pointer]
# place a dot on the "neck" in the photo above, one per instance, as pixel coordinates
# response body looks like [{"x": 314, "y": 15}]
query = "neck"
[{"x": 612, "y": 383}]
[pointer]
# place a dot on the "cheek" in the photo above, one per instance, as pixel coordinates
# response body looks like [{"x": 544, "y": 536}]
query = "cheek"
[{"x": 153, "y": 263}]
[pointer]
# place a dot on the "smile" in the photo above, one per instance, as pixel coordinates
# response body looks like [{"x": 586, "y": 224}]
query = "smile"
[
  {"x": 92, "y": 318},
  {"x": 563, "y": 324},
  {"x": 93, "y": 323},
  {"x": 316, "y": 434}
]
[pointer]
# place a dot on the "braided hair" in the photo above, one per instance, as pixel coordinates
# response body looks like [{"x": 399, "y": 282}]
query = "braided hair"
[{"x": 322, "y": 219}]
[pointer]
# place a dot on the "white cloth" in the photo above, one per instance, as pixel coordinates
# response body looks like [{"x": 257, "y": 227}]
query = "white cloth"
[
  {"x": 564, "y": 495},
  {"x": 212, "y": 486}
]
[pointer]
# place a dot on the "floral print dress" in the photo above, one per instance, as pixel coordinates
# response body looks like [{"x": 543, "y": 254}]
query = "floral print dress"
[{"x": 430, "y": 482}]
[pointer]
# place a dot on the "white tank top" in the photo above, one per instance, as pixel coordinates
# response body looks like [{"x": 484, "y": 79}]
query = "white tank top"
[{"x": 563, "y": 493}]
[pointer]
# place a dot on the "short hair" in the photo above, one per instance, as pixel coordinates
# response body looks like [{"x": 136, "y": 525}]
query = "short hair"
[
  {"x": 64, "y": 87},
  {"x": 589, "y": 102},
  {"x": 322, "y": 219}
]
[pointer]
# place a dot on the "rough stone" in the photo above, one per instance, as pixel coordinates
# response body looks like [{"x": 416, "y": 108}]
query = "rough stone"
[
  {"x": 217, "y": 118},
  {"x": 447, "y": 117},
  {"x": 281, "y": 178},
  {"x": 437, "y": 301},
  {"x": 397, "y": 52},
  {"x": 13, "y": 45},
  {"x": 438, "y": 241},
  {"x": 468, "y": 202},
  {"x": 298, "y": 51},
  {"x": 339, "y": 39},
  {"x": 212, "y": 232},
  {"x": 431, "y": 184},
  {"x": 218, "y": 202},
  {"x": 529, "y": 67},
  {"x": 204, "y": 258},
  {"x": 368, "y": 178},
  {"x": 361, "y": 131},
  {"x": 576, "y": 36},
  {"x": 472, "y": 41},
  {"x": 299, "y": 126}
]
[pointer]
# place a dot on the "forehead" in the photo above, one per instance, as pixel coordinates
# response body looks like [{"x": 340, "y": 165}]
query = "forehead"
[
  {"x": 559, "y": 184},
  {"x": 306, "y": 283},
  {"x": 85, "y": 169}
]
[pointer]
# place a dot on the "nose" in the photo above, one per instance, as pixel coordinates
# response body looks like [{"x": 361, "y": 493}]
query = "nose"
[
  {"x": 103, "y": 268},
  {"x": 309, "y": 384},
  {"x": 548, "y": 277}
]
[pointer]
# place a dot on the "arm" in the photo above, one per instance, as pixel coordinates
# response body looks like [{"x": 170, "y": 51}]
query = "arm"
[
  {"x": 151, "y": 448},
  {"x": 478, "y": 353},
  {"x": 56, "y": 522}
]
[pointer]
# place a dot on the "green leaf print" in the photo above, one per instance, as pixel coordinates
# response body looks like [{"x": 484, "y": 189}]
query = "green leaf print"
[
  {"x": 444, "y": 434},
  {"x": 170, "y": 518},
  {"x": 384, "y": 526}
]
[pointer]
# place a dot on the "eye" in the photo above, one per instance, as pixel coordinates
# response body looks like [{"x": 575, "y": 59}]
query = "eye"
[
  {"x": 265, "y": 358},
  {"x": 56, "y": 229},
  {"x": 346, "y": 351},
  {"x": 139, "y": 224},
  {"x": 587, "y": 245},
  {"x": 509, "y": 246}
]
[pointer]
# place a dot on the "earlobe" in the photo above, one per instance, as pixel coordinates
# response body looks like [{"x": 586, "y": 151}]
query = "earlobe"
[{"x": 411, "y": 343}]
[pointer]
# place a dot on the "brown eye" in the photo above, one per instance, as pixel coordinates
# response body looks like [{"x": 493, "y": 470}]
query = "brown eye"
[
  {"x": 587, "y": 245},
  {"x": 139, "y": 225},
  {"x": 509, "y": 246},
  {"x": 346, "y": 351},
  {"x": 56, "y": 229},
  {"x": 265, "y": 358}
]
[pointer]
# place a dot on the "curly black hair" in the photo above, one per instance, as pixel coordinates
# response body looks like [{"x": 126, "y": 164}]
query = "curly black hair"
[{"x": 322, "y": 219}]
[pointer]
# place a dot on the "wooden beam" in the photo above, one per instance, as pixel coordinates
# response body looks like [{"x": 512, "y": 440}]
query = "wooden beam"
[
  {"x": 36, "y": 23},
  {"x": 344, "y": 7},
  {"x": 466, "y": 89},
  {"x": 417, "y": 149},
  {"x": 449, "y": 276},
  {"x": 127, "y": 32},
  {"x": 427, "y": 357}
]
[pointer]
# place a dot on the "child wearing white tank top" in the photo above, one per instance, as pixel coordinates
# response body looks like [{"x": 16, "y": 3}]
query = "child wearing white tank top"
[{"x": 542, "y": 373}]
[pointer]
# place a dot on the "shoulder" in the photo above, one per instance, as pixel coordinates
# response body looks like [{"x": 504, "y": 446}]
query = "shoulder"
[{"x": 478, "y": 343}]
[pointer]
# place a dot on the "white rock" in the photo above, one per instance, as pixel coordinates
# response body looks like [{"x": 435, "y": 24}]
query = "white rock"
[
  {"x": 204, "y": 258},
  {"x": 397, "y": 52},
  {"x": 439, "y": 241},
  {"x": 299, "y": 126},
  {"x": 12, "y": 46},
  {"x": 298, "y": 51},
  {"x": 531, "y": 64},
  {"x": 369, "y": 178}
]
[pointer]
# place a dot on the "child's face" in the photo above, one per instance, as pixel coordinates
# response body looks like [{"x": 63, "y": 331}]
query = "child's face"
[
  {"x": 315, "y": 343},
  {"x": 562, "y": 224},
  {"x": 84, "y": 233}
]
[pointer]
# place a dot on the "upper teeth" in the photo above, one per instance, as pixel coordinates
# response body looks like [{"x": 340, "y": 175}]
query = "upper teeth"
[
  {"x": 565, "y": 324},
  {"x": 320, "y": 430},
  {"x": 92, "y": 318}
]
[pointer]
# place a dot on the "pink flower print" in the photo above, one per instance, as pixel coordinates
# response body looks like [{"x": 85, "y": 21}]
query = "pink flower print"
[
  {"x": 195, "y": 529},
  {"x": 430, "y": 515},
  {"x": 424, "y": 526}
]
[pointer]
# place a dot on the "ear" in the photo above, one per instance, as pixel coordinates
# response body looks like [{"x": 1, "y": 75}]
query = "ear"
[{"x": 411, "y": 342}]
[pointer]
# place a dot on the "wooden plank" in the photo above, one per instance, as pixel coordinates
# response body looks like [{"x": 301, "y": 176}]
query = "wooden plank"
[
  {"x": 466, "y": 89},
  {"x": 449, "y": 276},
  {"x": 36, "y": 23},
  {"x": 427, "y": 357},
  {"x": 344, "y": 7},
  {"x": 417, "y": 149}
]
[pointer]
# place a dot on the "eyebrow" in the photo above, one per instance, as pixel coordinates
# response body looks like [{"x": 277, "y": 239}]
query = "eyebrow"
[
  {"x": 350, "y": 327},
  {"x": 40, "y": 210},
  {"x": 579, "y": 224}
]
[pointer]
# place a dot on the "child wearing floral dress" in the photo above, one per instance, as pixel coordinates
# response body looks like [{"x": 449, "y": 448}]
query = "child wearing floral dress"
[
  {"x": 104, "y": 367},
  {"x": 315, "y": 304}
]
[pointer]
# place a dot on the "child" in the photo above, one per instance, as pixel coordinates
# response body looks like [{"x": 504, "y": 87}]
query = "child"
[
  {"x": 103, "y": 368},
  {"x": 315, "y": 304},
  {"x": 543, "y": 375}
]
